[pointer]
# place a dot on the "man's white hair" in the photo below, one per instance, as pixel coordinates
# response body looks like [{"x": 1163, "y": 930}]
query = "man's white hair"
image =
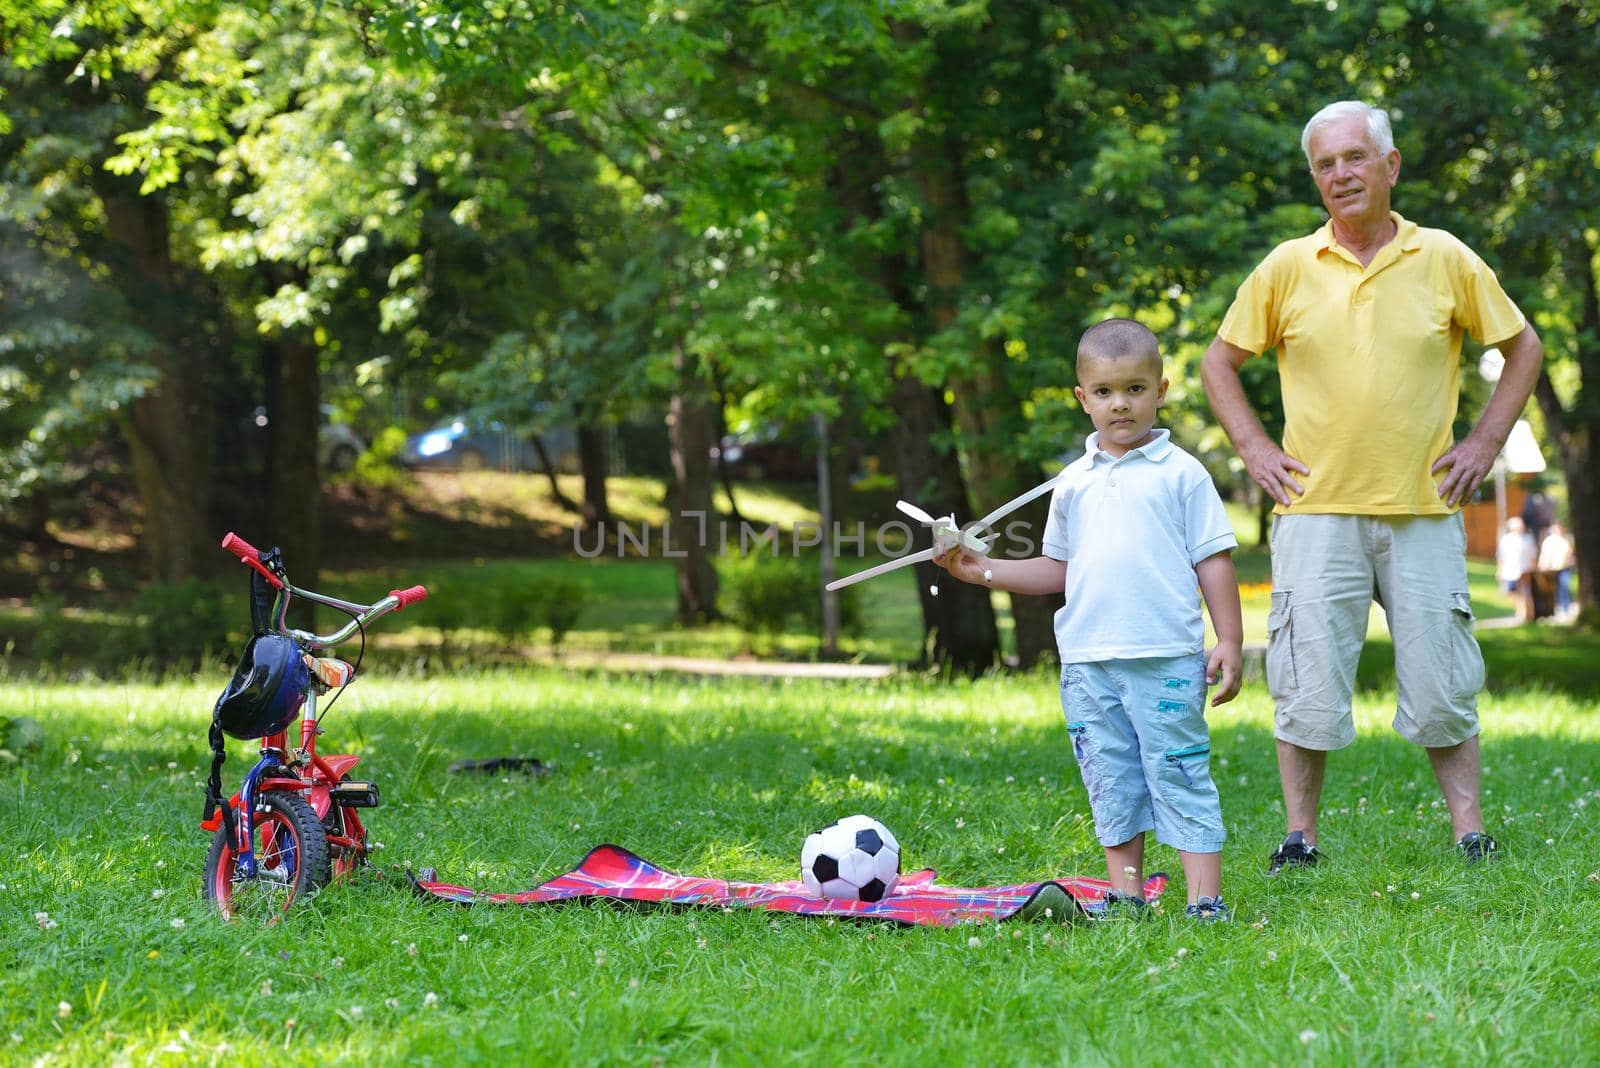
[{"x": 1377, "y": 121}]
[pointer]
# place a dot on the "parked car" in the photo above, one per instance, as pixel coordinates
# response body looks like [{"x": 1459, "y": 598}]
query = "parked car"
[
  {"x": 460, "y": 445},
  {"x": 763, "y": 454},
  {"x": 338, "y": 446}
]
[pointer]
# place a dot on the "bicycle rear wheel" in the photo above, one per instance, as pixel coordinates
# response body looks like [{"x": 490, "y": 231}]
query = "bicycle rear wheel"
[{"x": 291, "y": 851}]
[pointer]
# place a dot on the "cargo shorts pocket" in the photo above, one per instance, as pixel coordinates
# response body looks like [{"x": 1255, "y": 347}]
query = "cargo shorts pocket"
[
  {"x": 1191, "y": 762},
  {"x": 1282, "y": 679},
  {"x": 1465, "y": 658}
]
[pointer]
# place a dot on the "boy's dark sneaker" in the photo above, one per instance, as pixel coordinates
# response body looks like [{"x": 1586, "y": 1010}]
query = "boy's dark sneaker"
[
  {"x": 1293, "y": 853},
  {"x": 1209, "y": 910},
  {"x": 1476, "y": 846},
  {"x": 1115, "y": 905}
]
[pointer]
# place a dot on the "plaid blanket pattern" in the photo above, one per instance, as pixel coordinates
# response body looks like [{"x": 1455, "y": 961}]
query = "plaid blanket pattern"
[{"x": 611, "y": 873}]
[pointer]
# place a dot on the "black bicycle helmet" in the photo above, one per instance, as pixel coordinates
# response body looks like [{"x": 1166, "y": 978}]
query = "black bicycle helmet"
[{"x": 267, "y": 689}]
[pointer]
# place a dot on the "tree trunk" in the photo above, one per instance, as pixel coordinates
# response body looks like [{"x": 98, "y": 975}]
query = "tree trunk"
[
  {"x": 294, "y": 501},
  {"x": 958, "y": 626},
  {"x": 1577, "y": 433},
  {"x": 169, "y": 427},
  {"x": 594, "y": 460},
  {"x": 984, "y": 400},
  {"x": 959, "y": 629},
  {"x": 549, "y": 470},
  {"x": 691, "y": 421}
]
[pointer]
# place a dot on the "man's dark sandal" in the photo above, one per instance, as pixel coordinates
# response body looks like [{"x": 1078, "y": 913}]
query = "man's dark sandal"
[
  {"x": 1476, "y": 846},
  {"x": 1293, "y": 853}
]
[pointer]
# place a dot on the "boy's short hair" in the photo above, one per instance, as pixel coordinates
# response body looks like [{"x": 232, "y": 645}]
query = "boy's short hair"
[{"x": 1116, "y": 339}]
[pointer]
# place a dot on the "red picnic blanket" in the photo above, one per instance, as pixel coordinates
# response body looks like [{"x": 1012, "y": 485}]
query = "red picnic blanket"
[{"x": 611, "y": 873}]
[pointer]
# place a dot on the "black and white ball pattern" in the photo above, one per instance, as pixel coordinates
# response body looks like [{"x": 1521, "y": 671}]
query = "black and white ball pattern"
[{"x": 855, "y": 859}]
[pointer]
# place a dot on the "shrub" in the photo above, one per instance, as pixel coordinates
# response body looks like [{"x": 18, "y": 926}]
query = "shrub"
[
  {"x": 562, "y": 599},
  {"x": 764, "y": 591},
  {"x": 50, "y": 630},
  {"x": 379, "y": 467},
  {"x": 514, "y": 609},
  {"x": 178, "y": 625}
]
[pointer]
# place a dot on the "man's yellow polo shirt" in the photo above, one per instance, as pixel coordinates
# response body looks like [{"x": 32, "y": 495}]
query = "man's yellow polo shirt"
[{"x": 1370, "y": 360}]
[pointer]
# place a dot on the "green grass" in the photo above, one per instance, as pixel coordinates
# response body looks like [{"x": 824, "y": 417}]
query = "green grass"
[{"x": 1392, "y": 953}]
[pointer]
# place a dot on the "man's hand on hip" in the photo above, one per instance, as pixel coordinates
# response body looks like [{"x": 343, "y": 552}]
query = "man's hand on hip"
[
  {"x": 1273, "y": 469},
  {"x": 1470, "y": 460}
]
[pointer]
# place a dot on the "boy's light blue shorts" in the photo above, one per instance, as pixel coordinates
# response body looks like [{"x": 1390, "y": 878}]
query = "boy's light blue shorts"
[{"x": 1138, "y": 730}]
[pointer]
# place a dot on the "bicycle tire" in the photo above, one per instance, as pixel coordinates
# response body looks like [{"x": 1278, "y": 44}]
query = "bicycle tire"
[{"x": 291, "y": 849}]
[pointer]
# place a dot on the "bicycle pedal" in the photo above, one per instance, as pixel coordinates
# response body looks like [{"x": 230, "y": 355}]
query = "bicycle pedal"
[{"x": 353, "y": 794}]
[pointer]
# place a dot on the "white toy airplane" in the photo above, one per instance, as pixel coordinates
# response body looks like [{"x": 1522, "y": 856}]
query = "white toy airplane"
[{"x": 947, "y": 535}]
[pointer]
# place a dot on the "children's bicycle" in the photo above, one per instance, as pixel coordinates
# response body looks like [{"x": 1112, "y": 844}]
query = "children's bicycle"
[{"x": 293, "y": 827}]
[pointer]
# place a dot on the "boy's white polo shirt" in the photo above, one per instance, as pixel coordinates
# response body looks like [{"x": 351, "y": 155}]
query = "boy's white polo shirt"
[{"x": 1131, "y": 530}]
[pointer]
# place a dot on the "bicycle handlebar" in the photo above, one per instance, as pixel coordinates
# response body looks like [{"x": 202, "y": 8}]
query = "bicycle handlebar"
[
  {"x": 250, "y": 556},
  {"x": 410, "y": 595},
  {"x": 363, "y": 614}
]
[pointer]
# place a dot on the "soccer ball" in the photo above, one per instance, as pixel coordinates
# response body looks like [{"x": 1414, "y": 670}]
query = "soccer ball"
[{"x": 856, "y": 859}]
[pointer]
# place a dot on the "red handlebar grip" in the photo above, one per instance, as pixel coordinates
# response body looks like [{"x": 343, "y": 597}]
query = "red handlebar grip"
[
  {"x": 250, "y": 556},
  {"x": 239, "y": 547},
  {"x": 408, "y": 596}
]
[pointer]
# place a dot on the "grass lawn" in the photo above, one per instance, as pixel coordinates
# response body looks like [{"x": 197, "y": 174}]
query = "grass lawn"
[{"x": 1392, "y": 953}]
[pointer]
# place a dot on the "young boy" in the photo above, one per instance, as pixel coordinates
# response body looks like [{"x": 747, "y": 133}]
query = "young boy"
[{"x": 1135, "y": 525}]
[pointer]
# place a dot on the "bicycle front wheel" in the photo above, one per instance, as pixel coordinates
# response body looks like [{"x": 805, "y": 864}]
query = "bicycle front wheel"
[{"x": 291, "y": 851}]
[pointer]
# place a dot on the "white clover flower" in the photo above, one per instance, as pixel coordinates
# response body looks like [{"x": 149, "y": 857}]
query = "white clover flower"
[
  {"x": 429, "y": 1000},
  {"x": 1152, "y": 971},
  {"x": 461, "y": 937},
  {"x": 1272, "y": 956},
  {"x": 177, "y": 923},
  {"x": 157, "y": 892},
  {"x": 1415, "y": 896},
  {"x": 974, "y": 942},
  {"x": 1308, "y": 1037},
  {"x": 64, "y": 1009}
]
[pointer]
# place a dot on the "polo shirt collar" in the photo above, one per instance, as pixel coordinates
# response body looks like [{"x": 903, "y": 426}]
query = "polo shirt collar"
[
  {"x": 1408, "y": 235},
  {"x": 1155, "y": 450}
]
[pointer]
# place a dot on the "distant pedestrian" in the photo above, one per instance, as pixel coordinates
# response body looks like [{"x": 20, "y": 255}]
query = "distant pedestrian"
[
  {"x": 1514, "y": 560},
  {"x": 1556, "y": 556}
]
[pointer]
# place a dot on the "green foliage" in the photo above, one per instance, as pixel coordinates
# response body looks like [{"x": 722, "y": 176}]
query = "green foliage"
[
  {"x": 20, "y": 736},
  {"x": 768, "y": 592},
  {"x": 765, "y": 591},
  {"x": 563, "y": 601},
  {"x": 51, "y": 631},
  {"x": 178, "y": 626},
  {"x": 513, "y": 609},
  {"x": 379, "y": 466}
]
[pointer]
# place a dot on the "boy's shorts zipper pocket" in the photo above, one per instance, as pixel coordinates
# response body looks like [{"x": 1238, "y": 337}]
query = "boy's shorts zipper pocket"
[
  {"x": 1077, "y": 731},
  {"x": 1176, "y": 756}
]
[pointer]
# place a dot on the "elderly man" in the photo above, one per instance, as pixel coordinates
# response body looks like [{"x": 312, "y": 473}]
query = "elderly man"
[{"x": 1367, "y": 315}]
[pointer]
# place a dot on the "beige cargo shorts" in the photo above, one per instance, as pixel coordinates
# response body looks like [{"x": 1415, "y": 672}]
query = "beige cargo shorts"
[{"x": 1326, "y": 571}]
